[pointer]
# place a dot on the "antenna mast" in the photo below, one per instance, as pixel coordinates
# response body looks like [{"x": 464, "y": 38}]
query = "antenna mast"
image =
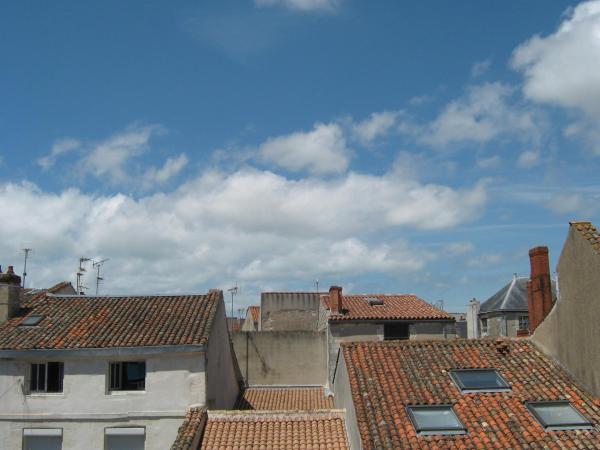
[
  {"x": 97, "y": 265},
  {"x": 26, "y": 251},
  {"x": 80, "y": 286},
  {"x": 234, "y": 291}
]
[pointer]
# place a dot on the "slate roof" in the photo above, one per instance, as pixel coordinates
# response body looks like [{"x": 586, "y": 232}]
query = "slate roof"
[
  {"x": 589, "y": 232},
  {"x": 72, "y": 322},
  {"x": 512, "y": 297},
  {"x": 385, "y": 377},
  {"x": 254, "y": 312},
  {"x": 395, "y": 307},
  {"x": 284, "y": 398},
  {"x": 275, "y": 430},
  {"x": 190, "y": 432}
]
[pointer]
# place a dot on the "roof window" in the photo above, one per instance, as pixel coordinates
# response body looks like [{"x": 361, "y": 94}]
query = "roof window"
[
  {"x": 558, "y": 415},
  {"x": 374, "y": 301},
  {"x": 32, "y": 320},
  {"x": 435, "y": 419},
  {"x": 479, "y": 380}
]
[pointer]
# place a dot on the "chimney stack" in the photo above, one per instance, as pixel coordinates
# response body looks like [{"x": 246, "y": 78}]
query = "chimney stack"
[
  {"x": 335, "y": 299},
  {"x": 539, "y": 287},
  {"x": 10, "y": 294}
]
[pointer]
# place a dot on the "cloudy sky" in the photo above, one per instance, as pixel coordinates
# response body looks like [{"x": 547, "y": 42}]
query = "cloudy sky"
[{"x": 385, "y": 146}]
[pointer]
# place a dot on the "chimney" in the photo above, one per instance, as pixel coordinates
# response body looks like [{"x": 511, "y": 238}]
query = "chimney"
[
  {"x": 539, "y": 287},
  {"x": 10, "y": 294},
  {"x": 335, "y": 299}
]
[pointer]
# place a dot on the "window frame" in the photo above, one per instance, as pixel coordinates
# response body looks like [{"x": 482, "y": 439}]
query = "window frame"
[
  {"x": 58, "y": 432},
  {"x": 433, "y": 431},
  {"x": 523, "y": 318},
  {"x": 118, "y": 366},
  {"x": 484, "y": 325},
  {"x": 585, "y": 424},
  {"x": 109, "y": 431},
  {"x": 396, "y": 324},
  {"x": 454, "y": 374},
  {"x": 30, "y": 377}
]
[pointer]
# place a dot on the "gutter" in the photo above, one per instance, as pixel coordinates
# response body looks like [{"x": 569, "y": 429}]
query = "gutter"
[{"x": 109, "y": 351}]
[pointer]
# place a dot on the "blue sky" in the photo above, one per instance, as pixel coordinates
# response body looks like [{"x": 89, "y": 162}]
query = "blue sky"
[{"x": 385, "y": 146}]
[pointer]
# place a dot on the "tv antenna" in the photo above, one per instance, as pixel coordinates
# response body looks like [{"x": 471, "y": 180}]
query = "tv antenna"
[
  {"x": 26, "y": 251},
  {"x": 234, "y": 291},
  {"x": 317, "y": 284},
  {"x": 80, "y": 272},
  {"x": 97, "y": 265}
]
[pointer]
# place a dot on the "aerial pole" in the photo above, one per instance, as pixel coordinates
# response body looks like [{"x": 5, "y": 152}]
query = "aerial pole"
[
  {"x": 26, "y": 251},
  {"x": 80, "y": 286},
  {"x": 97, "y": 265},
  {"x": 234, "y": 291}
]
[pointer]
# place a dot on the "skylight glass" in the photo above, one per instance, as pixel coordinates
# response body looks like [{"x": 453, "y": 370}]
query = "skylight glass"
[
  {"x": 558, "y": 415},
  {"x": 374, "y": 301},
  {"x": 32, "y": 320},
  {"x": 438, "y": 419},
  {"x": 479, "y": 380}
]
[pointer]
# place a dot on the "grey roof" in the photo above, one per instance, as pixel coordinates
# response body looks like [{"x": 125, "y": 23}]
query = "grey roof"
[{"x": 512, "y": 297}]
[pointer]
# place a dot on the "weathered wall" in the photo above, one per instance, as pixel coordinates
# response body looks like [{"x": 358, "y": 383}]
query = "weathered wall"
[
  {"x": 350, "y": 332},
  {"x": 432, "y": 330},
  {"x": 222, "y": 383},
  {"x": 282, "y": 357},
  {"x": 503, "y": 324},
  {"x": 571, "y": 332},
  {"x": 289, "y": 311},
  {"x": 10, "y": 297},
  {"x": 342, "y": 396}
]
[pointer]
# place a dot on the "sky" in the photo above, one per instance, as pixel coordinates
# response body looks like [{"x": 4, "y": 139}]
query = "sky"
[{"x": 387, "y": 147}]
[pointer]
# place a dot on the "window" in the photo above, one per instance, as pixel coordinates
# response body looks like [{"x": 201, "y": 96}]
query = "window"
[
  {"x": 374, "y": 301},
  {"x": 557, "y": 415},
  {"x": 32, "y": 320},
  {"x": 124, "y": 438},
  {"x": 438, "y": 419},
  {"x": 479, "y": 380},
  {"x": 46, "y": 377},
  {"x": 42, "y": 439},
  {"x": 523, "y": 322},
  {"x": 128, "y": 376},
  {"x": 484, "y": 326},
  {"x": 395, "y": 331}
]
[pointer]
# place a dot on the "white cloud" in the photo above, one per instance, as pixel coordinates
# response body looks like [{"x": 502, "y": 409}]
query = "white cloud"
[
  {"x": 459, "y": 248},
  {"x": 481, "y": 67},
  {"x": 564, "y": 67},
  {"x": 171, "y": 168},
  {"x": 566, "y": 203},
  {"x": 319, "y": 151},
  {"x": 486, "y": 112},
  {"x": 376, "y": 125},
  {"x": 252, "y": 226},
  {"x": 485, "y": 260},
  {"x": 489, "y": 162},
  {"x": 303, "y": 5},
  {"x": 528, "y": 159},
  {"x": 59, "y": 148}
]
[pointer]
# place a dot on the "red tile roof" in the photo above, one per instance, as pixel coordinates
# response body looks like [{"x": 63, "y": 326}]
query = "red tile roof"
[
  {"x": 97, "y": 322},
  {"x": 385, "y": 377},
  {"x": 395, "y": 307},
  {"x": 275, "y": 430},
  {"x": 31, "y": 296},
  {"x": 589, "y": 232},
  {"x": 255, "y": 312},
  {"x": 190, "y": 432},
  {"x": 288, "y": 398}
]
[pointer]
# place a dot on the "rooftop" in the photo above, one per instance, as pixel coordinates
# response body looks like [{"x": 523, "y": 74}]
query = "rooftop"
[
  {"x": 394, "y": 307},
  {"x": 190, "y": 432},
  {"x": 386, "y": 377},
  {"x": 284, "y": 398},
  {"x": 589, "y": 232},
  {"x": 254, "y": 311},
  {"x": 512, "y": 297},
  {"x": 76, "y": 322}
]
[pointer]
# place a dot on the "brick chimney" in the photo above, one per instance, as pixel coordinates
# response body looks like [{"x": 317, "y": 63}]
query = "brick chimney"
[
  {"x": 539, "y": 287},
  {"x": 10, "y": 294},
  {"x": 335, "y": 299}
]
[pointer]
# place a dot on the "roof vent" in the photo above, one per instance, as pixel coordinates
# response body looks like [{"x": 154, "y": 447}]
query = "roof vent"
[{"x": 373, "y": 301}]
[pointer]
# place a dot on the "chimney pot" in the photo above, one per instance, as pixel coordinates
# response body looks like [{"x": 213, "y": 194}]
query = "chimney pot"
[
  {"x": 539, "y": 287},
  {"x": 335, "y": 299}
]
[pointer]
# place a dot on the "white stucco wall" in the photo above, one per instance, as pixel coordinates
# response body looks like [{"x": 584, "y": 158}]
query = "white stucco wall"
[{"x": 342, "y": 393}]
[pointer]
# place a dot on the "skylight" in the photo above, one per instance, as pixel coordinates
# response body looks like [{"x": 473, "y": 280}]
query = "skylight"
[
  {"x": 32, "y": 320},
  {"x": 437, "y": 419},
  {"x": 374, "y": 301},
  {"x": 558, "y": 415},
  {"x": 479, "y": 380}
]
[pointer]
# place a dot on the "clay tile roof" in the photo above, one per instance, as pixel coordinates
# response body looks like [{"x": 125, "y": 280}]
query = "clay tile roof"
[
  {"x": 255, "y": 312},
  {"x": 395, "y": 307},
  {"x": 285, "y": 398},
  {"x": 589, "y": 232},
  {"x": 71, "y": 322},
  {"x": 31, "y": 296},
  {"x": 275, "y": 430},
  {"x": 385, "y": 377},
  {"x": 190, "y": 432}
]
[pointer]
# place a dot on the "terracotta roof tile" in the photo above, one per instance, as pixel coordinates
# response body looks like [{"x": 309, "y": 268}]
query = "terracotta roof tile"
[
  {"x": 292, "y": 398},
  {"x": 395, "y": 307},
  {"x": 589, "y": 232},
  {"x": 190, "y": 432},
  {"x": 275, "y": 430},
  {"x": 98, "y": 322},
  {"x": 255, "y": 312},
  {"x": 386, "y": 377},
  {"x": 31, "y": 296}
]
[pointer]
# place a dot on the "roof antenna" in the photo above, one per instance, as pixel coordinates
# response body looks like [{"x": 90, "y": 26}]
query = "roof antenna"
[
  {"x": 80, "y": 286},
  {"x": 234, "y": 291},
  {"x": 97, "y": 265},
  {"x": 26, "y": 251},
  {"x": 317, "y": 285}
]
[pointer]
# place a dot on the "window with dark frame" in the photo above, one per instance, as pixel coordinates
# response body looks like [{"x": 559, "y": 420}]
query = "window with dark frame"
[
  {"x": 558, "y": 415},
  {"x": 523, "y": 322},
  {"x": 484, "y": 326},
  {"x": 127, "y": 376},
  {"x": 479, "y": 380},
  {"x": 46, "y": 377},
  {"x": 435, "y": 419},
  {"x": 396, "y": 331}
]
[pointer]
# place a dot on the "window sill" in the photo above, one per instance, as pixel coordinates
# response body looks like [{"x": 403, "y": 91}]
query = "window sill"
[
  {"x": 118, "y": 393},
  {"x": 45, "y": 395}
]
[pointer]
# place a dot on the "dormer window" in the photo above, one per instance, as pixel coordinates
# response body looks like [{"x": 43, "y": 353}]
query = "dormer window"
[
  {"x": 435, "y": 419},
  {"x": 479, "y": 380},
  {"x": 558, "y": 415},
  {"x": 31, "y": 320}
]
